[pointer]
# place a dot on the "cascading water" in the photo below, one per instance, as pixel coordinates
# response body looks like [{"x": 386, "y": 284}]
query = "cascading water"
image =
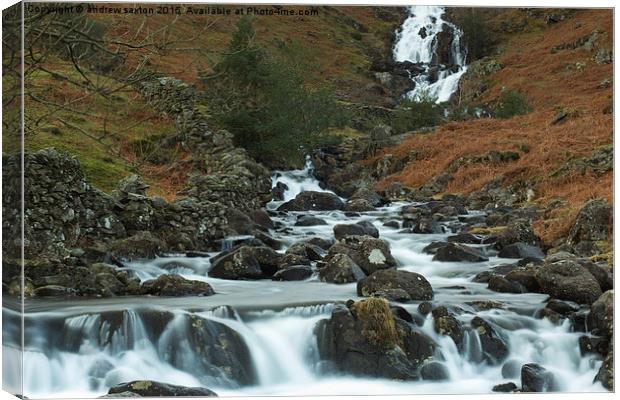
[{"x": 417, "y": 43}]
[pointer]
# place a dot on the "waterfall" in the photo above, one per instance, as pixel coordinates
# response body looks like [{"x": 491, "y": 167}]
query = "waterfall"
[
  {"x": 297, "y": 181},
  {"x": 417, "y": 46}
]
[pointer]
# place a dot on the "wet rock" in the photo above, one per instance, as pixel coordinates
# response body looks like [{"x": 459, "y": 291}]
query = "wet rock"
[
  {"x": 262, "y": 219},
  {"x": 294, "y": 273},
  {"x": 593, "y": 344},
  {"x": 447, "y": 324},
  {"x": 308, "y": 220},
  {"x": 310, "y": 251},
  {"x": 494, "y": 348},
  {"x": 370, "y": 254},
  {"x": 425, "y": 225},
  {"x": 521, "y": 250},
  {"x": 567, "y": 280},
  {"x": 362, "y": 228},
  {"x": 526, "y": 277},
  {"x": 176, "y": 285},
  {"x": 593, "y": 224},
  {"x": 392, "y": 224},
  {"x": 387, "y": 281},
  {"x": 601, "y": 315},
  {"x": 551, "y": 315},
  {"x": 277, "y": 192},
  {"x": 454, "y": 252},
  {"x": 433, "y": 247},
  {"x": 54, "y": 291},
  {"x": 243, "y": 263},
  {"x": 358, "y": 205},
  {"x": 562, "y": 307},
  {"x": 340, "y": 268},
  {"x": 605, "y": 374},
  {"x": 289, "y": 260},
  {"x": 505, "y": 387},
  {"x": 517, "y": 231},
  {"x": 365, "y": 339},
  {"x": 313, "y": 201},
  {"x": 425, "y": 308},
  {"x": 159, "y": 389},
  {"x": 482, "y": 305},
  {"x": 602, "y": 274},
  {"x": 368, "y": 195},
  {"x": 466, "y": 238},
  {"x": 324, "y": 244},
  {"x": 434, "y": 371},
  {"x": 535, "y": 378},
  {"x": 502, "y": 285},
  {"x": 240, "y": 222}
]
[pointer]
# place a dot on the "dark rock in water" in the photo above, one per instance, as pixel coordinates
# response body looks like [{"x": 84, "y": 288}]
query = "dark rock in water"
[
  {"x": 466, "y": 238},
  {"x": 459, "y": 252},
  {"x": 434, "y": 371},
  {"x": 365, "y": 339},
  {"x": 262, "y": 219},
  {"x": 325, "y": 244},
  {"x": 308, "y": 220},
  {"x": 240, "y": 222},
  {"x": 362, "y": 228},
  {"x": 593, "y": 344},
  {"x": 372, "y": 197},
  {"x": 511, "y": 369},
  {"x": 562, "y": 307},
  {"x": 482, "y": 305},
  {"x": 601, "y": 316},
  {"x": 447, "y": 324},
  {"x": 246, "y": 263},
  {"x": 358, "y": 205},
  {"x": 385, "y": 281},
  {"x": 313, "y": 201},
  {"x": 340, "y": 268},
  {"x": 176, "y": 285},
  {"x": 593, "y": 224},
  {"x": 605, "y": 374},
  {"x": 294, "y": 273},
  {"x": 526, "y": 277},
  {"x": 495, "y": 349},
  {"x": 370, "y": 254},
  {"x": 159, "y": 389},
  {"x": 482, "y": 277},
  {"x": 568, "y": 280},
  {"x": 268, "y": 240},
  {"x": 551, "y": 315},
  {"x": 434, "y": 246},
  {"x": 142, "y": 245},
  {"x": 310, "y": 251},
  {"x": 277, "y": 192},
  {"x": 521, "y": 250},
  {"x": 524, "y": 262},
  {"x": 505, "y": 387},
  {"x": 392, "y": 224},
  {"x": 426, "y": 225},
  {"x": 400, "y": 312},
  {"x": 288, "y": 260},
  {"x": 535, "y": 378},
  {"x": 500, "y": 284},
  {"x": 425, "y": 308}
]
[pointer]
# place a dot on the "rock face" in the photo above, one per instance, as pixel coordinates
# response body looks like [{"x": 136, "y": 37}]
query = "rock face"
[
  {"x": 313, "y": 201},
  {"x": 175, "y": 285},
  {"x": 391, "y": 282},
  {"x": 366, "y": 339},
  {"x": 157, "y": 389},
  {"x": 341, "y": 269},
  {"x": 568, "y": 280},
  {"x": 459, "y": 252},
  {"x": 370, "y": 254},
  {"x": 535, "y": 378},
  {"x": 593, "y": 224}
]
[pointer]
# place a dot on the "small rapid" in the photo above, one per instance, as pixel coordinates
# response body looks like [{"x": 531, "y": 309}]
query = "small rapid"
[{"x": 417, "y": 43}]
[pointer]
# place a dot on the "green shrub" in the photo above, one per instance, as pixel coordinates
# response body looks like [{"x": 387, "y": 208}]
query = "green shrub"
[
  {"x": 417, "y": 113},
  {"x": 510, "y": 103},
  {"x": 263, "y": 100}
]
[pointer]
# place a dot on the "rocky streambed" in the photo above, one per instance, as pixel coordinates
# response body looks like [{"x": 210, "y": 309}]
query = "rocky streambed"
[{"x": 326, "y": 295}]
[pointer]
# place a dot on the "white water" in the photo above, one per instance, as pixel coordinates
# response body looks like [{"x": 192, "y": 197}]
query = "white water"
[
  {"x": 412, "y": 46},
  {"x": 299, "y": 180}
]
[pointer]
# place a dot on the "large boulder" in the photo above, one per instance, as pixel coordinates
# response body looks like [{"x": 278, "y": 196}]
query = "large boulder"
[
  {"x": 521, "y": 250},
  {"x": 459, "y": 252},
  {"x": 516, "y": 231},
  {"x": 605, "y": 374},
  {"x": 494, "y": 348},
  {"x": 245, "y": 262},
  {"x": 176, "y": 285},
  {"x": 601, "y": 316},
  {"x": 309, "y": 220},
  {"x": 362, "y": 228},
  {"x": 157, "y": 389},
  {"x": 293, "y": 273},
  {"x": 313, "y": 201},
  {"x": 593, "y": 224},
  {"x": 535, "y": 378},
  {"x": 366, "y": 339},
  {"x": 340, "y": 268},
  {"x": 568, "y": 280},
  {"x": 445, "y": 323},
  {"x": 142, "y": 245},
  {"x": 368, "y": 195},
  {"x": 370, "y": 254},
  {"x": 384, "y": 282}
]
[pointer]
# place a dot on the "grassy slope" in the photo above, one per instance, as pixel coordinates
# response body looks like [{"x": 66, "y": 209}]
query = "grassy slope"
[
  {"x": 549, "y": 82},
  {"x": 99, "y": 131}
]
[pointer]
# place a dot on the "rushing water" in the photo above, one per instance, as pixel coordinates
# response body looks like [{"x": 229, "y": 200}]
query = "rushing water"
[
  {"x": 417, "y": 42},
  {"x": 82, "y": 347}
]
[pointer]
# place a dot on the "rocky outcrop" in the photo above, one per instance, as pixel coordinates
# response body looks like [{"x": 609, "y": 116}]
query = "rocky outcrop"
[
  {"x": 157, "y": 389},
  {"x": 568, "y": 280},
  {"x": 365, "y": 338}
]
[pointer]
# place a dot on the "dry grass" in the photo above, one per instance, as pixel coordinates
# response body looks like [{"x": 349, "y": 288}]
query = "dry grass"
[
  {"x": 549, "y": 81},
  {"x": 378, "y": 321}
]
